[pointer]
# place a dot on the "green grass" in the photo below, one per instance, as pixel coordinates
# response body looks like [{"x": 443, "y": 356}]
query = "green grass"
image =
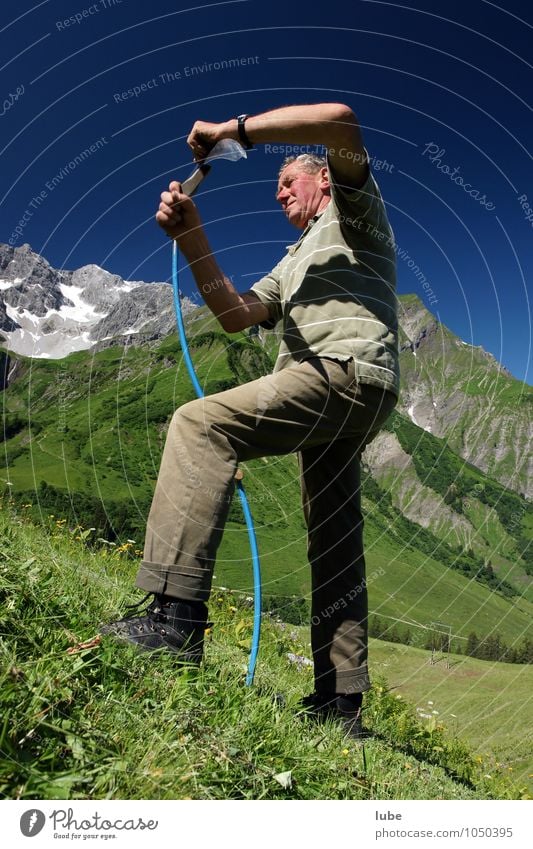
[
  {"x": 104, "y": 722},
  {"x": 487, "y": 703}
]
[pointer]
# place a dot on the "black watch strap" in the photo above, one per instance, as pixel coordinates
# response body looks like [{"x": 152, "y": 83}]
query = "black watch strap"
[{"x": 246, "y": 143}]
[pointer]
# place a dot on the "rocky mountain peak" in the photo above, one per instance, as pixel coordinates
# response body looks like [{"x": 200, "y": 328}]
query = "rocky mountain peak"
[{"x": 46, "y": 312}]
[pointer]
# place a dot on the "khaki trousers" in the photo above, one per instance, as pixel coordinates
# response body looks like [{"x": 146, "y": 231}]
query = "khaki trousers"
[{"x": 319, "y": 409}]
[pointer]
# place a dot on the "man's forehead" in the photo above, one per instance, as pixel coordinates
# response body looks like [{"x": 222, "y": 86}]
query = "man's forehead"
[{"x": 290, "y": 170}]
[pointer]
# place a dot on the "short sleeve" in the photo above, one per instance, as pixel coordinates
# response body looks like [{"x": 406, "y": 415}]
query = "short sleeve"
[
  {"x": 268, "y": 290},
  {"x": 361, "y": 211}
]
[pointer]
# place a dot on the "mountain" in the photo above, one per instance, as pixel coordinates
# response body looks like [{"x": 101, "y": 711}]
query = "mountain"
[
  {"x": 46, "y": 313},
  {"x": 463, "y": 394},
  {"x": 449, "y": 388}
]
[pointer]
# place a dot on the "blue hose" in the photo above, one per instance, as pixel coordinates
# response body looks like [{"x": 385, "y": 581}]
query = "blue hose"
[{"x": 240, "y": 488}]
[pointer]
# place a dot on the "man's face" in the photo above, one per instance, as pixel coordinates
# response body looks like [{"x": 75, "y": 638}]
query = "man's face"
[{"x": 302, "y": 194}]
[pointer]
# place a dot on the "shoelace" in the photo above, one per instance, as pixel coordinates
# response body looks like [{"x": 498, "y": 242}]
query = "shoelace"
[
  {"x": 153, "y": 608},
  {"x": 156, "y": 610}
]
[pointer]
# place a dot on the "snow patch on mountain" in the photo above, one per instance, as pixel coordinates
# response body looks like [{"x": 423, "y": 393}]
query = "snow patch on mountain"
[
  {"x": 81, "y": 310},
  {"x": 411, "y": 414},
  {"x": 50, "y": 313}
]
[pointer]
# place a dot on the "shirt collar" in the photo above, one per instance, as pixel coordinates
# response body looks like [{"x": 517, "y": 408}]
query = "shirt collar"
[{"x": 292, "y": 248}]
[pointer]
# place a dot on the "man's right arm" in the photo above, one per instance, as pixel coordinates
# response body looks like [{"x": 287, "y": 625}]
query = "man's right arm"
[
  {"x": 179, "y": 218},
  {"x": 234, "y": 311}
]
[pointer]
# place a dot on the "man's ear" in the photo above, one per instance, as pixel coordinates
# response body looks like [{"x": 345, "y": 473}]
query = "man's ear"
[{"x": 324, "y": 180}]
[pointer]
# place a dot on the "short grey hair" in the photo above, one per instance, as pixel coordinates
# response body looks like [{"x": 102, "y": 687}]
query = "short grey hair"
[{"x": 310, "y": 162}]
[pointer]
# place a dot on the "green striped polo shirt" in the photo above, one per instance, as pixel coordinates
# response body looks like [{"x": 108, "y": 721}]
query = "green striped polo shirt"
[{"x": 335, "y": 289}]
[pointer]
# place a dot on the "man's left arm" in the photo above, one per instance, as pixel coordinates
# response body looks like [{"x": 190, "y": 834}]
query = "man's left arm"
[{"x": 333, "y": 125}]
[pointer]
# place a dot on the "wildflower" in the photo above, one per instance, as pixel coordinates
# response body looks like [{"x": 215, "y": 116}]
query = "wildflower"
[
  {"x": 435, "y": 712},
  {"x": 299, "y": 660},
  {"x": 345, "y": 751},
  {"x": 430, "y": 703}
]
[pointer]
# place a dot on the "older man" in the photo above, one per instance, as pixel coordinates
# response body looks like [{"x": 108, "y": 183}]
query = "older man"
[{"x": 334, "y": 384}]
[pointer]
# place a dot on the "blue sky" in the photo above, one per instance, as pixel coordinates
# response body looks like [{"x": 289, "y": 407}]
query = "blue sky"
[{"x": 441, "y": 90}]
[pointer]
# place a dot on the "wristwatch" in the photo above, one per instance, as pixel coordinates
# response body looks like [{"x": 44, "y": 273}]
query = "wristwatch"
[{"x": 245, "y": 141}]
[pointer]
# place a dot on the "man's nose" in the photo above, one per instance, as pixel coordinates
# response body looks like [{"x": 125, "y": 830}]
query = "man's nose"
[{"x": 279, "y": 195}]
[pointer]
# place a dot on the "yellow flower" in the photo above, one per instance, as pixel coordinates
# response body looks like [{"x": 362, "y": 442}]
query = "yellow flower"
[{"x": 345, "y": 751}]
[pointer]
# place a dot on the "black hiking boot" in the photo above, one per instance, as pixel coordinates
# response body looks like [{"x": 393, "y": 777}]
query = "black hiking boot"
[
  {"x": 165, "y": 625},
  {"x": 341, "y": 709}
]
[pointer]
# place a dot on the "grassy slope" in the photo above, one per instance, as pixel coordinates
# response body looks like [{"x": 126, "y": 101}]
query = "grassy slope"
[
  {"x": 104, "y": 722},
  {"x": 486, "y": 703},
  {"x": 403, "y": 583}
]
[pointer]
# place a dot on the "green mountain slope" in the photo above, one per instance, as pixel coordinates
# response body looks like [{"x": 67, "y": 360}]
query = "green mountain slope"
[
  {"x": 461, "y": 392},
  {"x": 83, "y": 437}
]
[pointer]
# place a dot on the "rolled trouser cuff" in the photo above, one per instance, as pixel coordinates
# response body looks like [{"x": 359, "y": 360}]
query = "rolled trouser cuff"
[
  {"x": 189, "y": 584},
  {"x": 355, "y": 681}
]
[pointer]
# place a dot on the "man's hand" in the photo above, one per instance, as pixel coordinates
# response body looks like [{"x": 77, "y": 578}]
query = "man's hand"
[
  {"x": 178, "y": 216},
  {"x": 204, "y": 136}
]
